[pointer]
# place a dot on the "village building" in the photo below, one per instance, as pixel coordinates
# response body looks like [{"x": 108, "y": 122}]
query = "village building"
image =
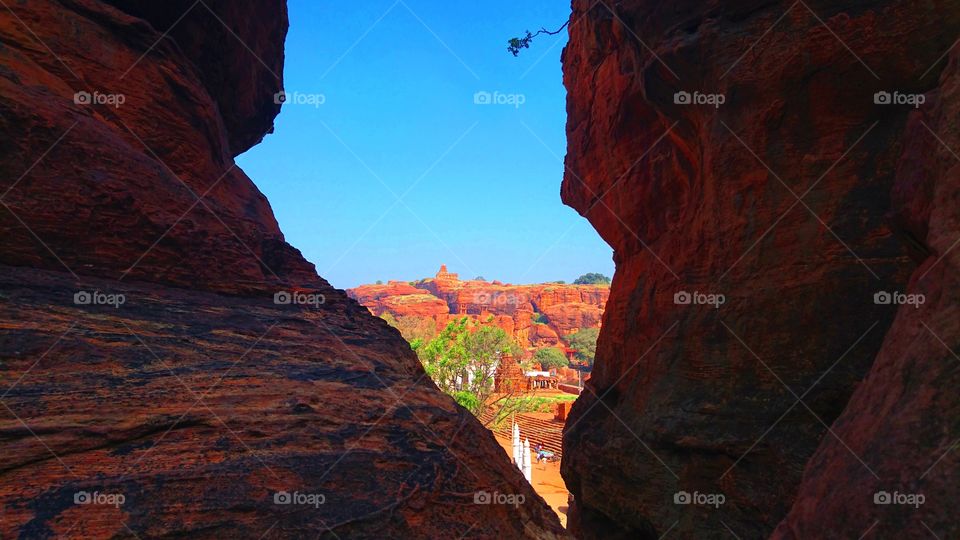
[{"x": 511, "y": 378}]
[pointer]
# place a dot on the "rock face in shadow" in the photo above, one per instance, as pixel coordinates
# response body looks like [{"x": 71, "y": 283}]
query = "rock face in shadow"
[
  {"x": 903, "y": 418},
  {"x": 799, "y": 198},
  {"x": 169, "y": 366}
]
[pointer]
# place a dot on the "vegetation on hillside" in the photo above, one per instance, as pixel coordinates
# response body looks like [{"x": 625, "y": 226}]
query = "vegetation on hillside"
[
  {"x": 462, "y": 360},
  {"x": 549, "y": 357},
  {"x": 592, "y": 278},
  {"x": 413, "y": 329},
  {"x": 585, "y": 342}
]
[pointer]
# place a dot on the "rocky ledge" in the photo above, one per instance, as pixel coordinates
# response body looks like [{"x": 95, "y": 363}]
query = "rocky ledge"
[{"x": 170, "y": 366}]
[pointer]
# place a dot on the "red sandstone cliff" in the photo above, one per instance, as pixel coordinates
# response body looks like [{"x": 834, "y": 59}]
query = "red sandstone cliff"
[
  {"x": 902, "y": 420},
  {"x": 564, "y": 309},
  {"x": 198, "y": 397},
  {"x": 799, "y": 199}
]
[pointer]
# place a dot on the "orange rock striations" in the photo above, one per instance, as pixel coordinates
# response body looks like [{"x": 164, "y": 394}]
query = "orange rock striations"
[{"x": 563, "y": 309}]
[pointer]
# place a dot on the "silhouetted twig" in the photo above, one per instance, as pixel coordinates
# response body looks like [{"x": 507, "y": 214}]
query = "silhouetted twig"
[{"x": 515, "y": 44}]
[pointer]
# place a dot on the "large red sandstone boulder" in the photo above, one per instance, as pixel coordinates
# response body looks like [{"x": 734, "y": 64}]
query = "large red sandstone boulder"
[
  {"x": 700, "y": 200},
  {"x": 400, "y": 300},
  {"x": 162, "y": 343},
  {"x": 573, "y": 316},
  {"x": 147, "y": 189},
  {"x": 902, "y": 420}
]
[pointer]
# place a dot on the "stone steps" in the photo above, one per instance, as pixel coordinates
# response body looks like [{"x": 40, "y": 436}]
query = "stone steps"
[{"x": 549, "y": 433}]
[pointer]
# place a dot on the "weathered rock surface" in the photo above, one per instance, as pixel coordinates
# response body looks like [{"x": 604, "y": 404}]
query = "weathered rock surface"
[
  {"x": 564, "y": 309},
  {"x": 198, "y": 398},
  {"x": 902, "y": 420},
  {"x": 147, "y": 189},
  {"x": 200, "y": 408},
  {"x": 702, "y": 199}
]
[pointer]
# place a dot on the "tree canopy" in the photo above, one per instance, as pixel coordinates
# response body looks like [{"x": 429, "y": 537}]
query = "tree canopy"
[
  {"x": 550, "y": 357},
  {"x": 585, "y": 342},
  {"x": 592, "y": 278},
  {"x": 462, "y": 359}
]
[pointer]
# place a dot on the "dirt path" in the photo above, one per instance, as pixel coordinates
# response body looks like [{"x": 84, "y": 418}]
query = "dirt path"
[{"x": 546, "y": 481}]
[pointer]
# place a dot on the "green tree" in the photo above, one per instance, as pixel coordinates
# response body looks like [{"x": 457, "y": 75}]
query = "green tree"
[
  {"x": 592, "y": 278},
  {"x": 550, "y": 357},
  {"x": 538, "y": 318},
  {"x": 585, "y": 342},
  {"x": 467, "y": 400},
  {"x": 462, "y": 359}
]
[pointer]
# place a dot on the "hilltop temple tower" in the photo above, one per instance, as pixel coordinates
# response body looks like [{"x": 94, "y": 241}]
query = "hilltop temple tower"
[{"x": 446, "y": 277}]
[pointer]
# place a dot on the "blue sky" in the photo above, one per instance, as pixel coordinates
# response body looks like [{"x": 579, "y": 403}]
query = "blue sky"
[{"x": 386, "y": 109}]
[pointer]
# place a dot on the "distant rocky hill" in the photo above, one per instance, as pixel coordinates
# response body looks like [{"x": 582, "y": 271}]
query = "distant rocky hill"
[{"x": 537, "y": 315}]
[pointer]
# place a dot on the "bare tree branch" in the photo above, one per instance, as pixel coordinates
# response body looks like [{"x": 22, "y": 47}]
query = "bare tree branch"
[{"x": 514, "y": 45}]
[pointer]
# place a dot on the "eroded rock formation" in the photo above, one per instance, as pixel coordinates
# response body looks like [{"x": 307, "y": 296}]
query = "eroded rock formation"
[
  {"x": 145, "y": 351},
  {"x": 799, "y": 198},
  {"x": 539, "y": 315}
]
